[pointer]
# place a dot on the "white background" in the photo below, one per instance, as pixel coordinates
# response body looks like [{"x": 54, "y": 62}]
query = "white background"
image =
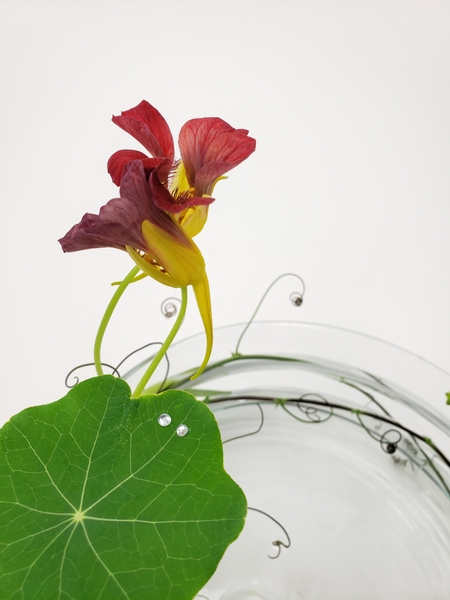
[{"x": 349, "y": 186}]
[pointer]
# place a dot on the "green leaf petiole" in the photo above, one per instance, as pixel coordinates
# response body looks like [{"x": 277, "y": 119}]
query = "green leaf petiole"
[
  {"x": 161, "y": 352},
  {"x": 107, "y": 316}
]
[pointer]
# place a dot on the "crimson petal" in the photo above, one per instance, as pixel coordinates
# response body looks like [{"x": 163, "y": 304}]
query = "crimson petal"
[
  {"x": 118, "y": 160},
  {"x": 225, "y": 152},
  {"x": 231, "y": 147},
  {"x": 195, "y": 138},
  {"x": 148, "y": 126}
]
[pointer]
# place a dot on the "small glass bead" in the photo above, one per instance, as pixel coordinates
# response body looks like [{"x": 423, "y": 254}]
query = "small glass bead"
[
  {"x": 182, "y": 430},
  {"x": 164, "y": 420},
  {"x": 296, "y": 299}
]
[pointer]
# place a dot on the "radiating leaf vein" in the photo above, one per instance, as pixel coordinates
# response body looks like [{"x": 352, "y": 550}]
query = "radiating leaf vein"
[
  {"x": 133, "y": 475},
  {"x": 44, "y": 466},
  {"x": 110, "y": 573},
  {"x": 43, "y": 552},
  {"x": 94, "y": 445}
]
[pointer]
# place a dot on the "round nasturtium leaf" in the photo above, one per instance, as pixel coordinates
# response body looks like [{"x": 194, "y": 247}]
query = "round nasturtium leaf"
[{"x": 99, "y": 501}]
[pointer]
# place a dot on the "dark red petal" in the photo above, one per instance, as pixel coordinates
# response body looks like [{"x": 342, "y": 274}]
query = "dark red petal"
[
  {"x": 166, "y": 202},
  {"x": 224, "y": 153},
  {"x": 119, "y": 222},
  {"x": 136, "y": 188},
  {"x": 194, "y": 140},
  {"x": 232, "y": 147},
  {"x": 163, "y": 170},
  {"x": 119, "y": 159},
  {"x": 117, "y": 225},
  {"x": 148, "y": 127}
]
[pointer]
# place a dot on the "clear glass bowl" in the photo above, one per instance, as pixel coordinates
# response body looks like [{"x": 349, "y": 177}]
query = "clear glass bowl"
[{"x": 362, "y": 501}]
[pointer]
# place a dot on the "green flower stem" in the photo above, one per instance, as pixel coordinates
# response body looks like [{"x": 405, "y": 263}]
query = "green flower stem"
[
  {"x": 107, "y": 316},
  {"x": 160, "y": 354}
]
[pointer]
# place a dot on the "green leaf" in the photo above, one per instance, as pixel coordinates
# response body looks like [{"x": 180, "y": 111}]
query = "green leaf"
[
  {"x": 448, "y": 397},
  {"x": 100, "y": 502}
]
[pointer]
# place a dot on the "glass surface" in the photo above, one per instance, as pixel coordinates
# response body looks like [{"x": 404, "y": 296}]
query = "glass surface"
[{"x": 365, "y": 502}]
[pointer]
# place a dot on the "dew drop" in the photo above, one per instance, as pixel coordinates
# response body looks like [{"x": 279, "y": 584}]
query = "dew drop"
[
  {"x": 164, "y": 420},
  {"x": 182, "y": 430}
]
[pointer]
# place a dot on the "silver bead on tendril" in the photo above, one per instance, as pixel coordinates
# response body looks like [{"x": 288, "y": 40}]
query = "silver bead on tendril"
[
  {"x": 168, "y": 308},
  {"x": 296, "y": 299}
]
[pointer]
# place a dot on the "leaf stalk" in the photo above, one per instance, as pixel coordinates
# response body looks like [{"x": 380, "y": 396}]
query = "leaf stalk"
[
  {"x": 107, "y": 316},
  {"x": 162, "y": 351}
]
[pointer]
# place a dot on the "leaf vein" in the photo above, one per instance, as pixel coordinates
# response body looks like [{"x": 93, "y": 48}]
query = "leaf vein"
[
  {"x": 44, "y": 465},
  {"x": 94, "y": 445},
  {"x": 110, "y": 573},
  {"x": 42, "y": 553},
  {"x": 132, "y": 475}
]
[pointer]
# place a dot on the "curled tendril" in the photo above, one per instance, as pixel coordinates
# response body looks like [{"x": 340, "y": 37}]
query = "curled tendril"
[
  {"x": 296, "y": 299},
  {"x": 278, "y": 543},
  {"x": 314, "y": 413},
  {"x": 389, "y": 440},
  {"x": 168, "y": 308},
  {"x": 91, "y": 364},
  {"x": 390, "y": 445},
  {"x": 115, "y": 370},
  {"x": 260, "y": 426}
]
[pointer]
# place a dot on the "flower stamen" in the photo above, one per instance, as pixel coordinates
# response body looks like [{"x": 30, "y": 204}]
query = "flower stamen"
[{"x": 150, "y": 260}]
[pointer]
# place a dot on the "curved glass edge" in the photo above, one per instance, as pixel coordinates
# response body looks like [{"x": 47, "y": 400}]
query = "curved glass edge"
[{"x": 376, "y": 358}]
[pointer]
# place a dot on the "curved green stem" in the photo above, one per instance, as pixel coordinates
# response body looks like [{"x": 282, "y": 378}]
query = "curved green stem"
[
  {"x": 160, "y": 354},
  {"x": 107, "y": 316}
]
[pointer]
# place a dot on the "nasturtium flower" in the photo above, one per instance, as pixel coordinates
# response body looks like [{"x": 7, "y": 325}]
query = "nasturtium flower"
[
  {"x": 163, "y": 202},
  {"x": 209, "y": 148}
]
